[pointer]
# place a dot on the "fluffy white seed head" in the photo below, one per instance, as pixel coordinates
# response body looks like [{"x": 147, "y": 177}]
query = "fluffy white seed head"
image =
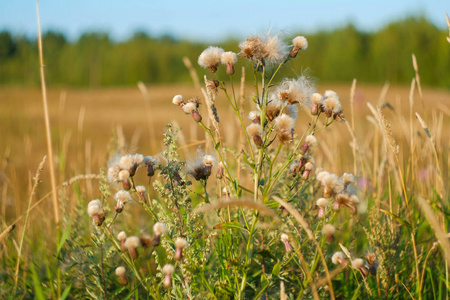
[
  {"x": 337, "y": 257},
  {"x": 330, "y": 180},
  {"x": 253, "y": 115},
  {"x": 322, "y": 202},
  {"x": 122, "y": 236},
  {"x": 254, "y": 129},
  {"x": 355, "y": 200},
  {"x": 284, "y": 123},
  {"x": 274, "y": 50},
  {"x": 210, "y": 58},
  {"x": 357, "y": 263},
  {"x": 120, "y": 271},
  {"x": 181, "y": 243},
  {"x": 168, "y": 269},
  {"x": 95, "y": 202},
  {"x": 316, "y": 98},
  {"x": 300, "y": 42},
  {"x": 138, "y": 159},
  {"x": 113, "y": 173},
  {"x": 123, "y": 196},
  {"x": 124, "y": 174},
  {"x": 159, "y": 229},
  {"x": 296, "y": 91},
  {"x": 284, "y": 238},
  {"x": 94, "y": 210},
  {"x": 348, "y": 178},
  {"x": 332, "y": 104},
  {"x": 228, "y": 57},
  {"x": 309, "y": 166},
  {"x": 328, "y": 229},
  {"x": 311, "y": 140},
  {"x": 132, "y": 242},
  {"x": 140, "y": 189},
  {"x": 126, "y": 162},
  {"x": 178, "y": 99},
  {"x": 150, "y": 160},
  {"x": 321, "y": 175},
  {"x": 209, "y": 160},
  {"x": 189, "y": 107}
]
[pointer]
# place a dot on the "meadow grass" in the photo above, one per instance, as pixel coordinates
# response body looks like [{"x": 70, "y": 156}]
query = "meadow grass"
[{"x": 394, "y": 141}]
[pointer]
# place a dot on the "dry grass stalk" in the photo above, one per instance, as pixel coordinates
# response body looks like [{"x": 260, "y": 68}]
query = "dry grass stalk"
[
  {"x": 448, "y": 24},
  {"x": 47, "y": 121},
  {"x": 192, "y": 72},
  {"x": 333, "y": 273},
  {"x": 416, "y": 69},
  {"x": 352, "y": 99},
  {"x": 80, "y": 177}
]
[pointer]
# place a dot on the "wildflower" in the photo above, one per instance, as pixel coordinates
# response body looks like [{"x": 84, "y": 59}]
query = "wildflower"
[
  {"x": 210, "y": 58},
  {"x": 308, "y": 167},
  {"x": 251, "y": 47},
  {"x": 122, "y": 197},
  {"x": 274, "y": 51},
  {"x": 122, "y": 236},
  {"x": 285, "y": 240},
  {"x": 372, "y": 263},
  {"x": 285, "y": 128},
  {"x": 140, "y": 189},
  {"x": 130, "y": 163},
  {"x": 113, "y": 173},
  {"x": 255, "y": 116},
  {"x": 296, "y": 91},
  {"x": 358, "y": 264},
  {"x": 178, "y": 100},
  {"x": 229, "y": 59},
  {"x": 192, "y": 108},
  {"x": 212, "y": 86},
  {"x": 322, "y": 204},
  {"x": 331, "y": 184},
  {"x": 338, "y": 258},
  {"x": 132, "y": 243},
  {"x": 317, "y": 103},
  {"x": 180, "y": 244},
  {"x": 201, "y": 167},
  {"x": 274, "y": 107},
  {"x": 167, "y": 270},
  {"x": 347, "y": 179},
  {"x": 256, "y": 131},
  {"x": 310, "y": 141},
  {"x": 331, "y": 104},
  {"x": 96, "y": 211},
  {"x": 120, "y": 272},
  {"x": 300, "y": 43},
  {"x": 328, "y": 230},
  {"x": 150, "y": 162},
  {"x": 158, "y": 230},
  {"x": 146, "y": 240}
]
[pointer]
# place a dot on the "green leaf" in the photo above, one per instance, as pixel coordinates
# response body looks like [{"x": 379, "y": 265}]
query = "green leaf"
[
  {"x": 66, "y": 292},
  {"x": 217, "y": 145},
  {"x": 247, "y": 161},
  {"x": 276, "y": 269},
  {"x": 264, "y": 280},
  {"x": 400, "y": 220},
  {"x": 230, "y": 225},
  {"x": 63, "y": 240},
  {"x": 37, "y": 284}
]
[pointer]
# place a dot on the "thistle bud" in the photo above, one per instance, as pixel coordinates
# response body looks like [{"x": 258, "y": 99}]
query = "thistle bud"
[
  {"x": 285, "y": 241},
  {"x": 132, "y": 243},
  {"x": 180, "y": 244},
  {"x": 328, "y": 230},
  {"x": 339, "y": 258},
  {"x": 321, "y": 203},
  {"x": 167, "y": 270},
  {"x": 120, "y": 272},
  {"x": 122, "y": 236}
]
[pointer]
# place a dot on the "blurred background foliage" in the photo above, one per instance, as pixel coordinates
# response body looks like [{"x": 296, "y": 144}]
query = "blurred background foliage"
[{"x": 334, "y": 56}]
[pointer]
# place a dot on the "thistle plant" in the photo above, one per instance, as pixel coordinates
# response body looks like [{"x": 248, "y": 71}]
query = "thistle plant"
[{"x": 230, "y": 236}]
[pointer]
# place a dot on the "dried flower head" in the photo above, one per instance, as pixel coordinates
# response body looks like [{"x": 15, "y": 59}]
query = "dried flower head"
[
  {"x": 256, "y": 131},
  {"x": 122, "y": 236},
  {"x": 310, "y": 141},
  {"x": 296, "y": 91},
  {"x": 167, "y": 270},
  {"x": 150, "y": 162},
  {"x": 180, "y": 244},
  {"x": 122, "y": 197},
  {"x": 212, "y": 87},
  {"x": 96, "y": 211},
  {"x": 285, "y": 128},
  {"x": 159, "y": 229},
  {"x": 251, "y": 47},
  {"x": 331, "y": 104},
  {"x": 229, "y": 59},
  {"x": 338, "y": 258},
  {"x": 132, "y": 243},
  {"x": 291, "y": 111},
  {"x": 274, "y": 51},
  {"x": 120, "y": 272},
  {"x": 210, "y": 58},
  {"x": 285, "y": 240},
  {"x": 255, "y": 116},
  {"x": 299, "y": 43},
  {"x": 273, "y": 107},
  {"x": 178, "y": 100},
  {"x": 357, "y": 263}
]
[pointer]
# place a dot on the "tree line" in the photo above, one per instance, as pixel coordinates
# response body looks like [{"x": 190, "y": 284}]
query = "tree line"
[{"x": 337, "y": 55}]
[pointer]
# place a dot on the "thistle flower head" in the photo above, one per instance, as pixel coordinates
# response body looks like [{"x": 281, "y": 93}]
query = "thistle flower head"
[
  {"x": 338, "y": 258},
  {"x": 94, "y": 210},
  {"x": 284, "y": 238},
  {"x": 309, "y": 166},
  {"x": 126, "y": 162},
  {"x": 122, "y": 236},
  {"x": 120, "y": 271},
  {"x": 322, "y": 202},
  {"x": 285, "y": 128},
  {"x": 357, "y": 263},
  {"x": 348, "y": 178},
  {"x": 149, "y": 160},
  {"x": 123, "y": 196},
  {"x": 273, "y": 107},
  {"x": 311, "y": 140},
  {"x": 132, "y": 242},
  {"x": 331, "y": 104},
  {"x": 180, "y": 243},
  {"x": 113, "y": 173},
  {"x": 189, "y": 108},
  {"x": 167, "y": 270},
  {"x": 316, "y": 98},
  {"x": 254, "y": 116},
  {"x": 210, "y": 58},
  {"x": 321, "y": 175},
  {"x": 159, "y": 229},
  {"x": 178, "y": 100},
  {"x": 274, "y": 51},
  {"x": 328, "y": 229},
  {"x": 254, "y": 129},
  {"x": 228, "y": 57},
  {"x": 140, "y": 189},
  {"x": 299, "y": 43},
  {"x": 124, "y": 175},
  {"x": 296, "y": 91},
  {"x": 251, "y": 47},
  {"x": 209, "y": 160}
]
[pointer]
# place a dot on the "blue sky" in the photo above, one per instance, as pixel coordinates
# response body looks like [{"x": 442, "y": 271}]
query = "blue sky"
[{"x": 210, "y": 20}]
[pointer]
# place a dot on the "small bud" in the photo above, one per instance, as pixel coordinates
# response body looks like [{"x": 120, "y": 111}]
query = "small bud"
[
  {"x": 197, "y": 117},
  {"x": 132, "y": 243},
  {"x": 285, "y": 241},
  {"x": 120, "y": 272},
  {"x": 167, "y": 270},
  {"x": 180, "y": 244},
  {"x": 328, "y": 230}
]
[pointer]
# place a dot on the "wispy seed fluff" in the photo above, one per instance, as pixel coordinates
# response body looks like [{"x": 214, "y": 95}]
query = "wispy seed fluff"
[
  {"x": 254, "y": 116},
  {"x": 338, "y": 258},
  {"x": 132, "y": 243},
  {"x": 178, "y": 100},
  {"x": 331, "y": 104},
  {"x": 229, "y": 59},
  {"x": 159, "y": 229},
  {"x": 122, "y": 197},
  {"x": 357, "y": 263},
  {"x": 96, "y": 211},
  {"x": 299, "y": 43},
  {"x": 285, "y": 128},
  {"x": 256, "y": 131},
  {"x": 251, "y": 47},
  {"x": 274, "y": 50},
  {"x": 210, "y": 58},
  {"x": 310, "y": 141},
  {"x": 296, "y": 91},
  {"x": 316, "y": 103},
  {"x": 328, "y": 230}
]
